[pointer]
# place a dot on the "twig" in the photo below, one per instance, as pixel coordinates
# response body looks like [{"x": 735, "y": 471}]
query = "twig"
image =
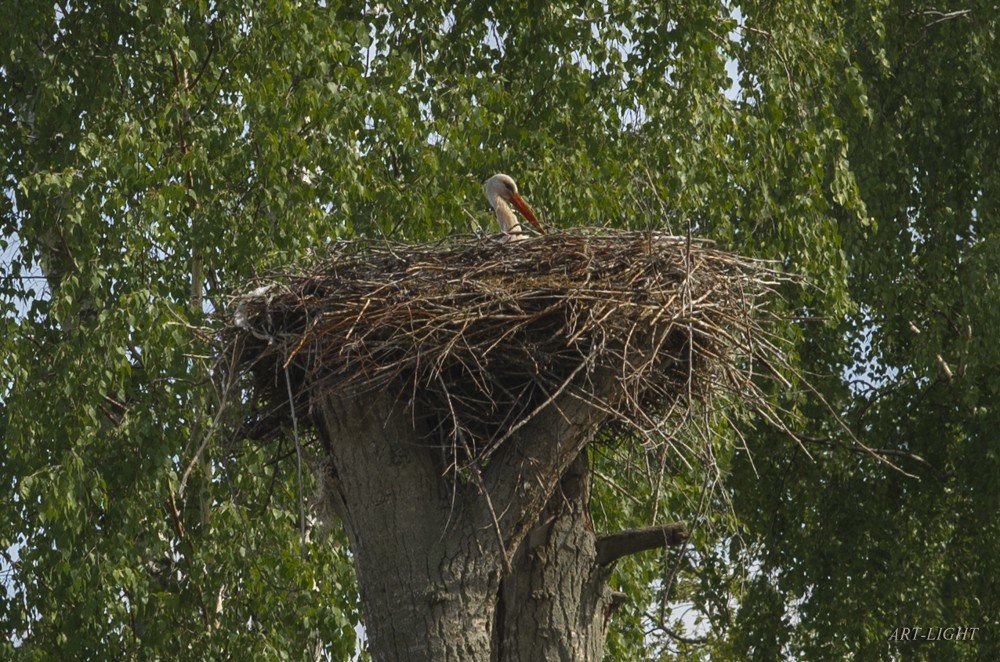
[{"x": 298, "y": 463}]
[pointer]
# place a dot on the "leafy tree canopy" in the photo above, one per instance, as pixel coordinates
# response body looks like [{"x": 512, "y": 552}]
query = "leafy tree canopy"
[{"x": 156, "y": 155}]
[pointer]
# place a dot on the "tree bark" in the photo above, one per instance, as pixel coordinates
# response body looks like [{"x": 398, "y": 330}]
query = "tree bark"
[
  {"x": 613, "y": 547},
  {"x": 555, "y": 603},
  {"x": 504, "y": 567},
  {"x": 426, "y": 578}
]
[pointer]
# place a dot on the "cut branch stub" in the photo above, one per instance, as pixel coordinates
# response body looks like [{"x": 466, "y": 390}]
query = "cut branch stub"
[{"x": 614, "y": 546}]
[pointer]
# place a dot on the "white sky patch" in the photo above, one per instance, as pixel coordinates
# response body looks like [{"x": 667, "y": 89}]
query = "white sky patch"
[
  {"x": 869, "y": 373},
  {"x": 31, "y": 281},
  {"x": 733, "y": 69}
]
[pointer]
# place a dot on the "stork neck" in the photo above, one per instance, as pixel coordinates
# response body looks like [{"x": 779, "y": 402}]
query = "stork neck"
[{"x": 509, "y": 224}]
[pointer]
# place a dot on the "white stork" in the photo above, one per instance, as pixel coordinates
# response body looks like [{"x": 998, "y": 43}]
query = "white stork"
[{"x": 501, "y": 191}]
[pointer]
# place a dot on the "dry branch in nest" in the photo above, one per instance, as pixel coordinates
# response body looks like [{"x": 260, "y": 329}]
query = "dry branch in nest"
[{"x": 477, "y": 335}]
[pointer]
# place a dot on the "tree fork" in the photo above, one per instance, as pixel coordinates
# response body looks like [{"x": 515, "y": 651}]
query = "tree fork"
[
  {"x": 556, "y": 602},
  {"x": 430, "y": 552}
]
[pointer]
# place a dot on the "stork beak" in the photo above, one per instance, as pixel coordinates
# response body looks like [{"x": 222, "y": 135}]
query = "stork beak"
[{"x": 525, "y": 210}]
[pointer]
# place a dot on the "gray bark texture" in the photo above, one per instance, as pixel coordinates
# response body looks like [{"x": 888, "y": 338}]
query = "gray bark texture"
[
  {"x": 503, "y": 568},
  {"x": 555, "y": 603}
]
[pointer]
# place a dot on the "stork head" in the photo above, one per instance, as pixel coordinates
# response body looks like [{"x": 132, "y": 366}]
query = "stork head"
[{"x": 503, "y": 188}]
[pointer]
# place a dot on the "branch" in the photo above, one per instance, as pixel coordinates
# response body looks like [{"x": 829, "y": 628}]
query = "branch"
[
  {"x": 612, "y": 547},
  {"x": 694, "y": 641},
  {"x": 830, "y": 442},
  {"x": 204, "y": 66}
]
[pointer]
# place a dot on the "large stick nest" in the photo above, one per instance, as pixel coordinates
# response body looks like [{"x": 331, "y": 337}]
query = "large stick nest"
[{"x": 476, "y": 334}]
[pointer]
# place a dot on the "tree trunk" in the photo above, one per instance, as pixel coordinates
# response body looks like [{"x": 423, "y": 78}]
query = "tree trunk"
[
  {"x": 503, "y": 567},
  {"x": 426, "y": 580},
  {"x": 555, "y": 604}
]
